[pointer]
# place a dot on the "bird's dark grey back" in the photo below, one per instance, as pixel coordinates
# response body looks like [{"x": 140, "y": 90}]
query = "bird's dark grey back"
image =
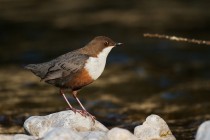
[{"x": 61, "y": 66}]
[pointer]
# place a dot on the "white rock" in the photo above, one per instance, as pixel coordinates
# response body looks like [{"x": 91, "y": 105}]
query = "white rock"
[
  {"x": 120, "y": 134},
  {"x": 36, "y": 126},
  {"x": 66, "y": 125},
  {"x": 69, "y": 134},
  {"x": 24, "y": 137},
  {"x": 203, "y": 132},
  {"x": 153, "y": 128},
  {"x": 6, "y": 137},
  {"x": 40, "y": 125},
  {"x": 93, "y": 135},
  {"x": 62, "y": 134}
]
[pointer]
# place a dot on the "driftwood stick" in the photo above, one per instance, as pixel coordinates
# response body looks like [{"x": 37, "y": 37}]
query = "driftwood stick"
[{"x": 179, "y": 39}]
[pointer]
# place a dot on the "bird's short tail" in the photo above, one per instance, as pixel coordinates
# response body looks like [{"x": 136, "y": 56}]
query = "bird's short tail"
[
  {"x": 31, "y": 67},
  {"x": 35, "y": 69}
]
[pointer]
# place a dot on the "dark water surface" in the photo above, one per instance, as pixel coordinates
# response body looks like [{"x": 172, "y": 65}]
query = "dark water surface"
[{"x": 143, "y": 77}]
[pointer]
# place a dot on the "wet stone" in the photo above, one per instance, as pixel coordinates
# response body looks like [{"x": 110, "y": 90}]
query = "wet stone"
[
  {"x": 40, "y": 125},
  {"x": 94, "y": 135},
  {"x": 153, "y": 128},
  {"x": 120, "y": 134},
  {"x": 203, "y": 132},
  {"x": 62, "y": 134},
  {"x": 23, "y": 137},
  {"x": 66, "y": 125}
]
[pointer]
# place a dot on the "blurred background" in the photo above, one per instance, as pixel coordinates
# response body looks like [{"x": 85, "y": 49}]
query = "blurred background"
[{"x": 145, "y": 76}]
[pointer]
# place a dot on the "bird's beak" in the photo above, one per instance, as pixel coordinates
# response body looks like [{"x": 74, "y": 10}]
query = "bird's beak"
[{"x": 118, "y": 44}]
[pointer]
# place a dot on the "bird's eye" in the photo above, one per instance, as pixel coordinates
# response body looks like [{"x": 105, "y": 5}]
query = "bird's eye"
[{"x": 106, "y": 43}]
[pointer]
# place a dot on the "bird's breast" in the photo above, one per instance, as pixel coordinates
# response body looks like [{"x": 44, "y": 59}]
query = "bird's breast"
[{"x": 95, "y": 65}]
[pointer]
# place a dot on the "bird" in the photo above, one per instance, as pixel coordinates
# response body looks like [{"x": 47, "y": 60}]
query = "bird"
[{"x": 76, "y": 69}]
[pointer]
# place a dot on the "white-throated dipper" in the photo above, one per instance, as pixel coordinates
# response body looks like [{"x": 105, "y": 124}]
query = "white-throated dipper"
[{"x": 76, "y": 69}]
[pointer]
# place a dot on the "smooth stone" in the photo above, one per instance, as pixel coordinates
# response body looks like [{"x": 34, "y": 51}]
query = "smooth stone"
[
  {"x": 6, "y": 137},
  {"x": 24, "y": 137},
  {"x": 93, "y": 135},
  {"x": 62, "y": 134},
  {"x": 153, "y": 128},
  {"x": 203, "y": 132},
  {"x": 40, "y": 125},
  {"x": 69, "y": 134},
  {"x": 120, "y": 134}
]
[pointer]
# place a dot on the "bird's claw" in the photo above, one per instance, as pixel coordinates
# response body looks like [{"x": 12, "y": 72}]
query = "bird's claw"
[
  {"x": 84, "y": 113},
  {"x": 93, "y": 118}
]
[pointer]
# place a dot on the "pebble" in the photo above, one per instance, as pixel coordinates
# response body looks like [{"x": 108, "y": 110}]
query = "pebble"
[
  {"x": 66, "y": 125},
  {"x": 120, "y": 134},
  {"x": 40, "y": 125},
  {"x": 62, "y": 134},
  {"x": 203, "y": 132},
  {"x": 153, "y": 128}
]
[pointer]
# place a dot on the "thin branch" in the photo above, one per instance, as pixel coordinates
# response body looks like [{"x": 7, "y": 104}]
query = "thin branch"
[{"x": 175, "y": 38}]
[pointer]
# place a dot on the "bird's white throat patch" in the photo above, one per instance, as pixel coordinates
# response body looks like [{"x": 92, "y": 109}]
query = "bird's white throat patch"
[{"x": 95, "y": 65}]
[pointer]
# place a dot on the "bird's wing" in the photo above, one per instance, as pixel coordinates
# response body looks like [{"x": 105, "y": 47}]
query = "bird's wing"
[{"x": 65, "y": 65}]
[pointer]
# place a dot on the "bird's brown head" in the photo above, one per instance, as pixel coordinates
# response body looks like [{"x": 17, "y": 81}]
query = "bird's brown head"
[{"x": 98, "y": 44}]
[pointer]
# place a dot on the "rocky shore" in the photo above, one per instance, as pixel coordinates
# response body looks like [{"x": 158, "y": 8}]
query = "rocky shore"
[{"x": 66, "y": 125}]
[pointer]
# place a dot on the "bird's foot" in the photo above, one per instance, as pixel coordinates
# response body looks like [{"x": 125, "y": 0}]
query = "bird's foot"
[
  {"x": 83, "y": 113},
  {"x": 87, "y": 114}
]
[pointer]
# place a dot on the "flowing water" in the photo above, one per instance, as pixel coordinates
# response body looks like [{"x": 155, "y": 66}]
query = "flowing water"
[{"x": 143, "y": 77}]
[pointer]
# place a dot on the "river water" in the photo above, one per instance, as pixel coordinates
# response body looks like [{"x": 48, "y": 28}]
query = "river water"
[{"x": 142, "y": 77}]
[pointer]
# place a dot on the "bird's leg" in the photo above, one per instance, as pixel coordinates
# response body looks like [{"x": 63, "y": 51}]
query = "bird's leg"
[
  {"x": 70, "y": 106},
  {"x": 83, "y": 112},
  {"x": 63, "y": 94},
  {"x": 75, "y": 96}
]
